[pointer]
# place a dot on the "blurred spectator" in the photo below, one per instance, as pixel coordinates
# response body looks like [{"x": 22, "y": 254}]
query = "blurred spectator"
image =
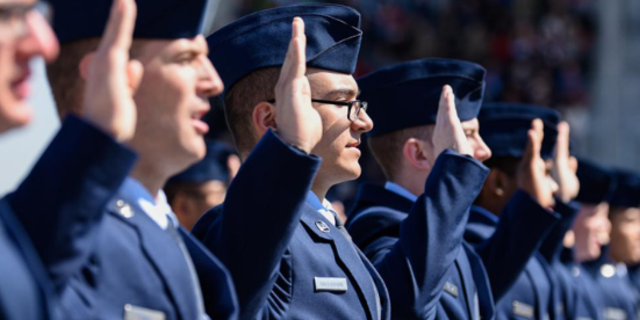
[{"x": 203, "y": 185}]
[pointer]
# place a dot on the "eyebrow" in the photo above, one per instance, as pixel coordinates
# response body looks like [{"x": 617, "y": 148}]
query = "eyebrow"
[{"x": 342, "y": 92}]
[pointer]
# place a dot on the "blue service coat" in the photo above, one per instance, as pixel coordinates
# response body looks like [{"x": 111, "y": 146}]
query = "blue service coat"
[
  {"x": 634, "y": 276},
  {"x": 281, "y": 252},
  {"x": 418, "y": 248},
  {"x": 618, "y": 299},
  {"x": 564, "y": 291},
  {"x": 47, "y": 223},
  {"x": 135, "y": 262},
  {"x": 509, "y": 244}
]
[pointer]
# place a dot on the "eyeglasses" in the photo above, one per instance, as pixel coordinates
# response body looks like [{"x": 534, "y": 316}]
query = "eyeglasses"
[
  {"x": 13, "y": 17},
  {"x": 354, "y": 107}
]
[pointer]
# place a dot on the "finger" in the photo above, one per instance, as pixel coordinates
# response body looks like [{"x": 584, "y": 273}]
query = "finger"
[
  {"x": 452, "y": 112},
  {"x": 562, "y": 143},
  {"x": 442, "y": 105},
  {"x": 533, "y": 145},
  {"x": 135, "y": 70},
  {"x": 288, "y": 70},
  {"x": 300, "y": 41},
  {"x": 119, "y": 29},
  {"x": 538, "y": 128}
]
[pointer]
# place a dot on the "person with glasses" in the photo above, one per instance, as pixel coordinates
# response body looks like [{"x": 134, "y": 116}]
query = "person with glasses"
[
  {"x": 292, "y": 106},
  {"x": 47, "y": 223},
  {"x": 142, "y": 264}
]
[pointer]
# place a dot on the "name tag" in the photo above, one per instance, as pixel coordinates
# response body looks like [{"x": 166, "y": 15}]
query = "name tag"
[
  {"x": 614, "y": 314},
  {"x": 137, "y": 313},
  {"x": 522, "y": 309},
  {"x": 583, "y": 318},
  {"x": 330, "y": 284},
  {"x": 451, "y": 289}
]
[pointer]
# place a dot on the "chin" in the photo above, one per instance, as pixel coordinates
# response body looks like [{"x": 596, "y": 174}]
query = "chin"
[{"x": 18, "y": 114}]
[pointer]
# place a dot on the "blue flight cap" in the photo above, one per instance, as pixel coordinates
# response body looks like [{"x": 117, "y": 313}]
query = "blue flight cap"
[
  {"x": 596, "y": 183},
  {"x": 408, "y": 94},
  {"x": 504, "y": 126},
  {"x": 212, "y": 167},
  {"x": 261, "y": 40},
  {"x": 627, "y": 190},
  {"x": 156, "y": 19}
]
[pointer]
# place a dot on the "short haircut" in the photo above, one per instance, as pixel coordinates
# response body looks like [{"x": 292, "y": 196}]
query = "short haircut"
[
  {"x": 508, "y": 165},
  {"x": 66, "y": 83},
  {"x": 387, "y": 148},
  {"x": 240, "y": 101},
  {"x": 64, "y": 75}
]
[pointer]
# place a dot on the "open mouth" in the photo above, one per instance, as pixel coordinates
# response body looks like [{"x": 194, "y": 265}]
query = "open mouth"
[{"x": 196, "y": 120}]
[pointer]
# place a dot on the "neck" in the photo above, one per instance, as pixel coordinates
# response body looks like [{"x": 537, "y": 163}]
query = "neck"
[
  {"x": 320, "y": 190},
  {"x": 149, "y": 177}
]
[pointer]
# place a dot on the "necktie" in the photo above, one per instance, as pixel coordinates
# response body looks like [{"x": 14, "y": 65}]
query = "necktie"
[{"x": 171, "y": 229}]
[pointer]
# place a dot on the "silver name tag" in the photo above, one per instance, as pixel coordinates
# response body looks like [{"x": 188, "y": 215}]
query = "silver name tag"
[
  {"x": 451, "y": 289},
  {"x": 614, "y": 314},
  {"x": 137, "y": 313},
  {"x": 330, "y": 284},
  {"x": 522, "y": 309}
]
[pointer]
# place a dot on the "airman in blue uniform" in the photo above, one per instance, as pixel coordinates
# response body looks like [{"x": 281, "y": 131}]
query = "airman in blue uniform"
[
  {"x": 506, "y": 222},
  {"x": 141, "y": 264},
  {"x": 620, "y": 299},
  {"x": 46, "y": 223},
  {"x": 412, "y": 228},
  {"x": 589, "y": 231},
  {"x": 290, "y": 92}
]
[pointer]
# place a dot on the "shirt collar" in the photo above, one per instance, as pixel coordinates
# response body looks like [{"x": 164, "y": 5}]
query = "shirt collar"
[
  {"x": 157, "y": 209},
  {"x": 400, "y": 190},
  {"x": 324, "y": 207}
]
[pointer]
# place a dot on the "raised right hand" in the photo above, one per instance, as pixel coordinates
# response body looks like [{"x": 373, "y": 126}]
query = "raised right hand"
[
  {"x": 299, "y": 124},
  {"x": 448, "y": 133},
  {"x": 112, "y": 78},
  {"x": 532, "y": 171}
]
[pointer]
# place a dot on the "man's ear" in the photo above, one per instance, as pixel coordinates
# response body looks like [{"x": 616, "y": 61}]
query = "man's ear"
[
  {"x": 84, "y": 65},
  {"x": 264, "y": 117},
  {"x": 416, "y": 153}
]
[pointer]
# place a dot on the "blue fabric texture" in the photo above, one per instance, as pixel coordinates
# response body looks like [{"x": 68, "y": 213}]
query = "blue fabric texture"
[
  {"x": 596, "y": 182},
  {"x": 407, "y": 94},
  {"x": 261, "y": 40},
  {"x": 504, "y": 126},
  {"x": 156, "y": 19},
  {"x": 418, "y": 248}
]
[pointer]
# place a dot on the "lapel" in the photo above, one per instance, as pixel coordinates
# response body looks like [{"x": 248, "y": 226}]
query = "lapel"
[
  {"x": 163, "y": 252},
  {"x": 19, "y": 238},
  {"x": 468, "y": 290},
  {"x": 539, "y": 295},
  {"x": 217, "y": 287},
  {"x": 481, "y": 279},
  {"x": 347, "y": 256}
]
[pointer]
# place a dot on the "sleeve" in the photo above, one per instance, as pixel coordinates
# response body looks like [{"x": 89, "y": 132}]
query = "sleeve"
[
  {"x": 552, "y": 244},
  {"x": 260, "y": 215},
  {"x": 62, "y": 200},
  {"x": 518, "y": 236},
  {"x": 414, "y": 268}
]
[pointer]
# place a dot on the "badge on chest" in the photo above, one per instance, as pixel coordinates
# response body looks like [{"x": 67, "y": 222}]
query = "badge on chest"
[
  {"x": 138, "y": 313},
  {"x": 330, "y": 284}
]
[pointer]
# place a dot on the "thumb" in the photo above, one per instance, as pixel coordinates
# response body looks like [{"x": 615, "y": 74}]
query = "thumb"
[{"x": 135, "y": 70}]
